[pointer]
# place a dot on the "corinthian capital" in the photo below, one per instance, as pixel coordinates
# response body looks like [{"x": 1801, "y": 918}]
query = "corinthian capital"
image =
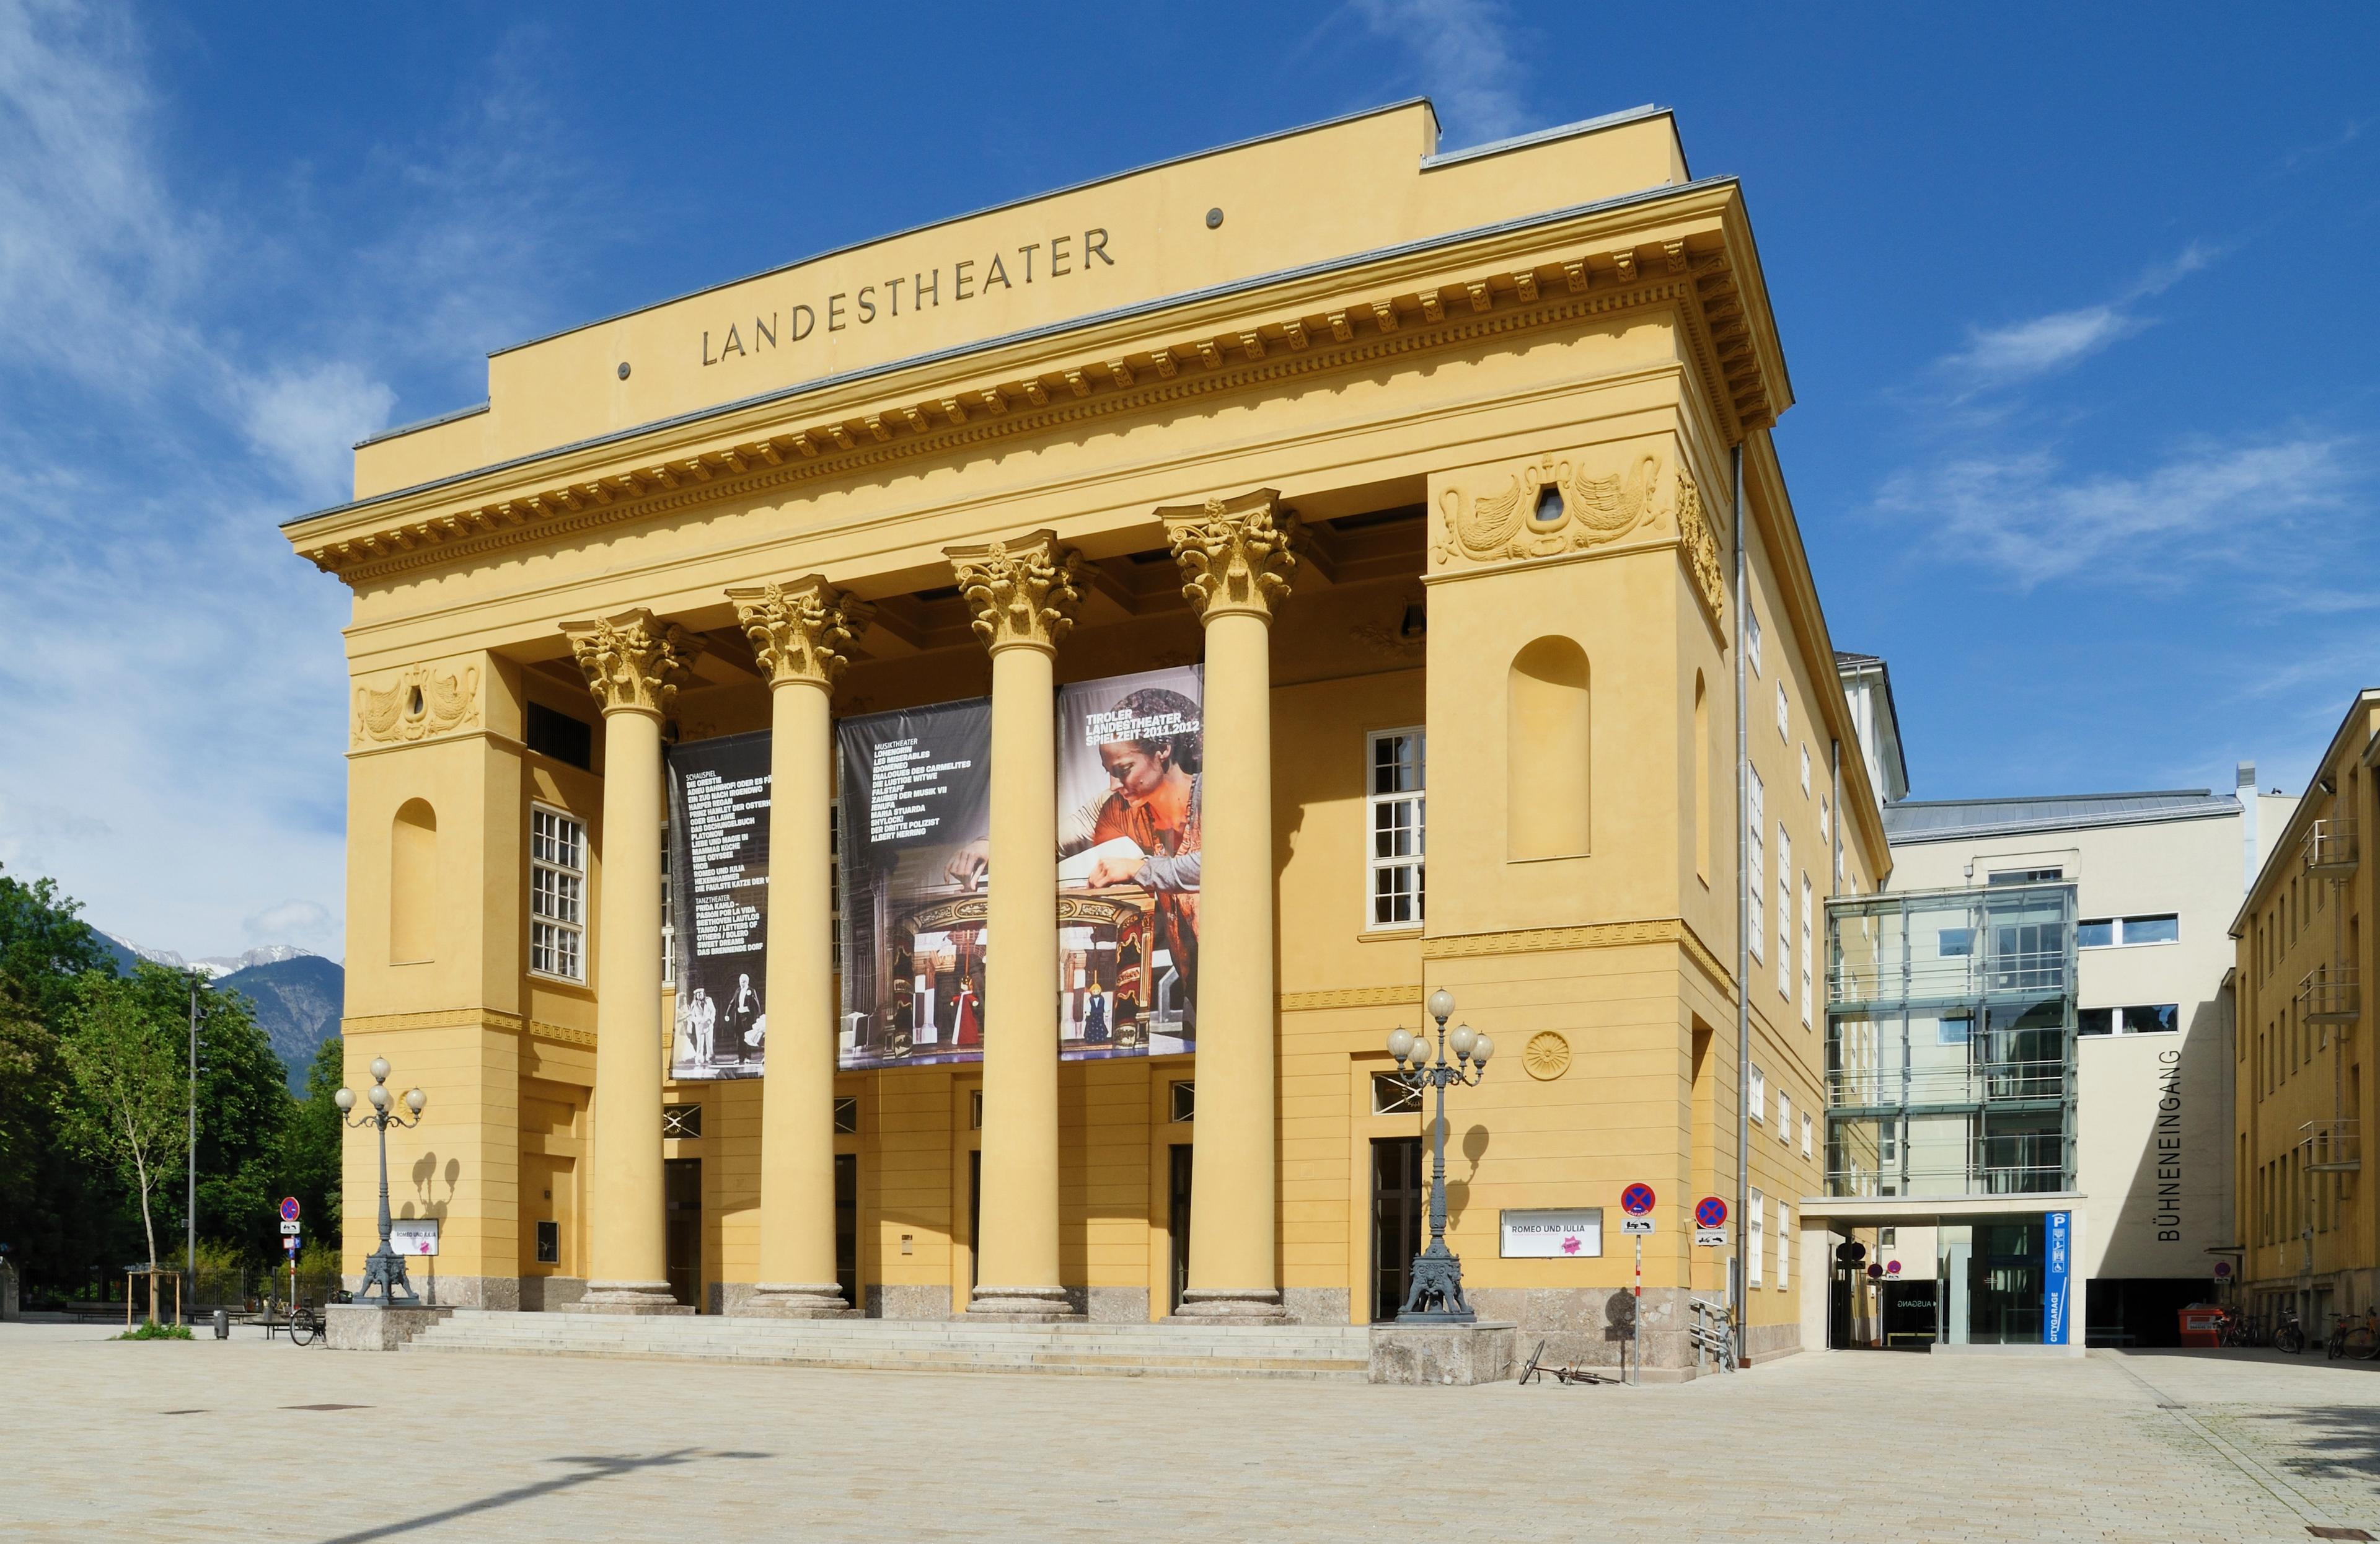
[
  {"x": 1235, "y": 554},
  {"x": 633, "y": 662},
  {"x": 800, "y": 629},
  {"x": 1024, "y": 593}
]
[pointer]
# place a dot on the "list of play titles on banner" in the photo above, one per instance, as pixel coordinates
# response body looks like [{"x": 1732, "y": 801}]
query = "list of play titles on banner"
[
  {"x": 720, "y": 814},
  {"x": 903, "y": 787}
]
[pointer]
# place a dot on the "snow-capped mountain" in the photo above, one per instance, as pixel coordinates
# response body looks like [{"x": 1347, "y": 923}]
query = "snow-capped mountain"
[{"x": 217, "y": 964}]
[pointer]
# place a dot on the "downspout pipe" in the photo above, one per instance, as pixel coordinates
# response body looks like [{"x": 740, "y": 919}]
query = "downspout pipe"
[{"x": 1737, "y": 1288}]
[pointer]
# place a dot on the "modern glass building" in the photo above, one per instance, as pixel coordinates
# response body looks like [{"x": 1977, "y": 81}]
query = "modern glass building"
[{"x": 1951, "y": 1107}]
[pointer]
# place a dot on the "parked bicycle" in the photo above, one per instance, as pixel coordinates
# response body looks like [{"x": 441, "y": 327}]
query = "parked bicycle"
[
  {"x": 2237, "y": 1329},
  {"x": 1713, "y": 1332},
  {"x": 2356, "y": 1335},
  {"x": 2290, "y": 1334}
]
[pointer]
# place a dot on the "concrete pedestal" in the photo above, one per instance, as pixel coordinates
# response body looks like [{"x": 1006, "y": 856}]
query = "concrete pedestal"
[
  {"x": 1443, "y": 1353},
  {"x": 363, "y": 1327}
]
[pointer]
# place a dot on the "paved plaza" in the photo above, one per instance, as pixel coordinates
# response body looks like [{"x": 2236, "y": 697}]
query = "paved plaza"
[{"x": 248, "y": 1441}]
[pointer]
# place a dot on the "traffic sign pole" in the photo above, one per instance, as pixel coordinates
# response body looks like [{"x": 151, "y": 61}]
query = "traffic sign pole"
[{"x": 1637, "y": 1202}]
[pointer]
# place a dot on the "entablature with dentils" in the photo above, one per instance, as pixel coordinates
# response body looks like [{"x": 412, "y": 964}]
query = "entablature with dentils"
[{"x": 1688, "y": 251}]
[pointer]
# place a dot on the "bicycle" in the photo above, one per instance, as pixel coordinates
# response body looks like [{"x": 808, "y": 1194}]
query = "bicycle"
[
  {"x": 1713, "y": 1331},
  {"x": 2289, "y": 1335},
  {"x": 2355, "y": 1336}
]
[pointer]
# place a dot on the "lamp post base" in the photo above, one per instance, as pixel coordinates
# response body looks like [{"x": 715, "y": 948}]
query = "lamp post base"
[{"x": 627, "y": 1297}]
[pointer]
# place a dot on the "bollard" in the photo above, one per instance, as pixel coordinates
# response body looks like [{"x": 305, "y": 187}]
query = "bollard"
[{"x": 223, "y": 1324}]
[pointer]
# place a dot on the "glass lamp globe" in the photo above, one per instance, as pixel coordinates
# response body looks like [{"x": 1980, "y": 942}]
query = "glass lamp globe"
[
  {"x": 1462, "y": 1040},
  {"x": 1441, "y": 1004},
  {"x": 380, "y": 1069},
  {"x": 1401, "y": 1043},
  {"x": 379, "y": 1096},
  {"x": 414, "y": 1099},
  {"x": 345, "y": 1099},
  {"x": 1481, "y": 1048}
]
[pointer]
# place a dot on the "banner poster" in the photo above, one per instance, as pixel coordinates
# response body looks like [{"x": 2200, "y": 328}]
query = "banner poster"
[
  {"x": 717, "y": 863},
  {"x": 1128, "y": 851},
  {"x": 914, "y": 848}
]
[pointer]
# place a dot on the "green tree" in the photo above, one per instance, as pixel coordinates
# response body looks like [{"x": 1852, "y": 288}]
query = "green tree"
[
  {"x": 129, "y": 1093},
  {"x": 27, "y": 1070},
  {"x": 46, "y": 948},
  {"x": 60, "y": 1217}
]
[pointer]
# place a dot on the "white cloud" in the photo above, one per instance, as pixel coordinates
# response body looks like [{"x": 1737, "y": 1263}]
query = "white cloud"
[
  {"x": 2208, "y": 506},
  {"x": 1464, "y": 52},
  {"x": 307, "y": 420},
  {"x": 2000, "y": 355},
  {"x": 304, "y": 923}
]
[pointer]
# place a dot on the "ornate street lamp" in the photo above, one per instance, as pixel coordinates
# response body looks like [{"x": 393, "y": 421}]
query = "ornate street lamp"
[
  {"x": 1437, "y": 1294},
  {"x": 386, "y": 1267}
]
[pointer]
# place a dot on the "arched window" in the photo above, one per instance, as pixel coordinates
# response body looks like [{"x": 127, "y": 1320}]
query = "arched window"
[
  {"x": 1548, "y": 745},
  {"x": 413, "y": 885}
]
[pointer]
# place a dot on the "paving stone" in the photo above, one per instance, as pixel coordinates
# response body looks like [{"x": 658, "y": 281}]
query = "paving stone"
[{"x": 468, "y": 1445}]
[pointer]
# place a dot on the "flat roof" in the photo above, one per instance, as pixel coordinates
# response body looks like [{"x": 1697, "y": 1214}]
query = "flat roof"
[{"x": 1950, "y": 819}]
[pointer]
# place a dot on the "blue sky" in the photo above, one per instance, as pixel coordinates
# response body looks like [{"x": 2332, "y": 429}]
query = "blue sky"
[{"x": 2078, "y": 306}]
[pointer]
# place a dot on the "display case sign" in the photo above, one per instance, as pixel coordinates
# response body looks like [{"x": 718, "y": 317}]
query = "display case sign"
[{"x": 1573, "y": 1233}]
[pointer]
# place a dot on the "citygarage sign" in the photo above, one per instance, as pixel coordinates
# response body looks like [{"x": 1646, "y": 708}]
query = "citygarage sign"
[{"x": 1052, "y": 260}]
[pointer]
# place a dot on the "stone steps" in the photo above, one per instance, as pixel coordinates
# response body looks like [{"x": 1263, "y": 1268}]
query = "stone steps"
[{"x": 1304, "y": 1351}]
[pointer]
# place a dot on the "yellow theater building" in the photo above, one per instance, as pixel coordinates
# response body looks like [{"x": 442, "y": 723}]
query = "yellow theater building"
[{"x": 919, "y": 783}]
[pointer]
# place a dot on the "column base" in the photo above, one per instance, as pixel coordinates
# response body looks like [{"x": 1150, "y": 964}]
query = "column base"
[
  {"x": 627, "y": 1297},
  {"x": 1232, "y": 1304},
  {"x": 1023, "y": 1305},
  {"x": 771, "y": 1300}
]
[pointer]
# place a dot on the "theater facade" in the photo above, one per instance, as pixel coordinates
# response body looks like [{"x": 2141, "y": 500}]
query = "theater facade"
[{"x": 920, "y": 782}]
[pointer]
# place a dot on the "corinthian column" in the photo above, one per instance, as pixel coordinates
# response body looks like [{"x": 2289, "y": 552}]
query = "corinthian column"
[
  {"x": 634, "y": 664},
  {"x": 1024, "y": 594},
  {"x": 799, "y": 632},
  {"x": 1236, "y": 560}
]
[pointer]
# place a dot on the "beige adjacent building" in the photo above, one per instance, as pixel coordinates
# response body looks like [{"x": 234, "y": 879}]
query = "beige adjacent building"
[{"x": 1447, "y": 478}]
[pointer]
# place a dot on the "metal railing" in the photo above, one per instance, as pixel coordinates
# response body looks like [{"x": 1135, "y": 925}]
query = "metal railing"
[
  {"x": 1973, "y": 1083},
  {"x": 2330, "y": 847},
  {"x": 1974, "y": 1179},
  {"x": 2329, "y": 995},
  {"x": 2332, "y": 1146},
  {"x": 1886, "y": 978}
]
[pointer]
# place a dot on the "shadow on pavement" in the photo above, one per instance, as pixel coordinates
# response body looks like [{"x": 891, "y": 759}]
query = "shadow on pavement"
[{"x": 589, "y": 1469}]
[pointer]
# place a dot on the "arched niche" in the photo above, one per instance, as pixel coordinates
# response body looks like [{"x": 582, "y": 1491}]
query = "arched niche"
[
  {"x": 1548, "y": 744},
  {"x": 413, "y": 885}
]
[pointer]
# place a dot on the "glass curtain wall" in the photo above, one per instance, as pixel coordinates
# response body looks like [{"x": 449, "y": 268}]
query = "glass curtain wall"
[{"x": 1950, "y": 1042}]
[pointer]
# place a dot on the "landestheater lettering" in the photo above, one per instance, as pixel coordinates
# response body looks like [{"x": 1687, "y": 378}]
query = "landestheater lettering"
[{"x": 1057, "y": 257}]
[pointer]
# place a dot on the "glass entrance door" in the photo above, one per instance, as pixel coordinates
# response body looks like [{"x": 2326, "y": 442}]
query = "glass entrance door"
[
  {"x": 1398, "y": 1200},
  {"x": 2004, "y": 1284}
]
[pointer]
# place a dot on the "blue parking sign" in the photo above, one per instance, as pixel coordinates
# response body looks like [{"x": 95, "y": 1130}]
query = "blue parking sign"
[{"x": 2057, "y": 1316}]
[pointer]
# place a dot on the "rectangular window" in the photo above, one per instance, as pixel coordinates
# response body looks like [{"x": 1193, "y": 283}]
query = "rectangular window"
[
  {"x": 1752, "y": 639},
  {"x": 1784, "y": 1116},
  {"x": 1805, "y": 1135},
  {"x": 2094, "y": 1021},
  {"x": 2094, "y": 933},
  {"x": 1759, "y": 1100},
  {"x": 1808, "y": 996},
  {"x": 2115, "y": 932},
  {"x": 1784, "y": 715},
  {"x": 568, "y": 740},
  {"x": 1183, "y": 1101},
  {"x": 1395, "y": 1093},
  {"x": 557, "y": 894},
  {"x": 846, "y": 1116},
  {"x": 1784, "y": 913},
  {"x": 2026, "y": 876},
  {"x": 682, "y": 1121},
  {"x": 1395, "y": 865},
  {"x": 1886, "y": 1238},
  {"x": 1757, "y": 1244},
  {"x": 1754, "y": 868},
  {"x": 2153, "y": 930},
  {"x": 1827, "y": 829},
  {"x": 1805, "y": 771},
  {"x": 1784, "y": 1246},
  {"x": 2155, "y": 1018}
]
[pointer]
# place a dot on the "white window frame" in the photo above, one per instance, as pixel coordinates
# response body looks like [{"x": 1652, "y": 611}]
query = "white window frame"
[
  {"x": 1784, "y": 913},
  {"x": 1754, "y": 854},
  {"x": 558, "y": 934},
  {"x": 1784, "y": 1246},
  {"x": 1784, "y": 715},
  {"x": 1758, "y": 1239},
  {"x": 1375, "y": 801},
  {"x": 1806, "y": 1134},
  {"x": 1752, "y": 639},
  {"x": 1759, "y": 1100},
  {"x": 1805, "y": 769},
  {"x": 1784, "y": 1117}
]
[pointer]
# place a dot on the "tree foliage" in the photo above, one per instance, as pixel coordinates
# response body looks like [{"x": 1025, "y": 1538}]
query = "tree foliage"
[{"x": 127, "y": 1098}]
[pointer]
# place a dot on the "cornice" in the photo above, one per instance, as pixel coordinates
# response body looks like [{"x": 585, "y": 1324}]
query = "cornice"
[
  {"x": 1351, "y": 997},
  {"x": 1592, "y": 935},
  {"x": 1693, "y": 274}
]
